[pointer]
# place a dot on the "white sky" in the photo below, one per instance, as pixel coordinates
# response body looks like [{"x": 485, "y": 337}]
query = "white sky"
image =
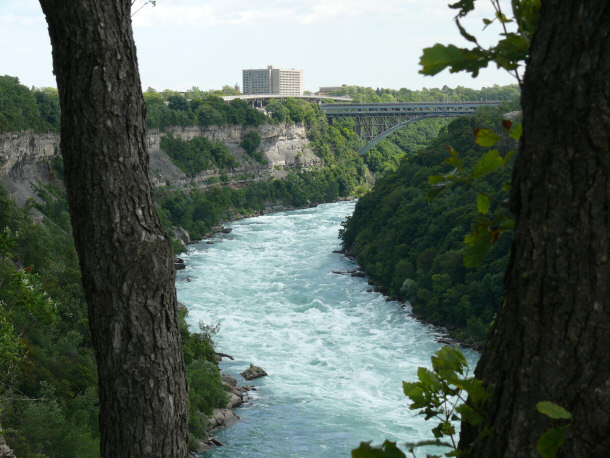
[{"x": 206, "y": 43}]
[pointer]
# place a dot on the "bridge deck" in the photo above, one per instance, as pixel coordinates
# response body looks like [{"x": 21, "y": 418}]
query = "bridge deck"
[{"x": 399, "y": 109}]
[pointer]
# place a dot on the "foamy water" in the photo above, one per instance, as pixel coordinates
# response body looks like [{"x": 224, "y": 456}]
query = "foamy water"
[{"x": 336, "y": 355}]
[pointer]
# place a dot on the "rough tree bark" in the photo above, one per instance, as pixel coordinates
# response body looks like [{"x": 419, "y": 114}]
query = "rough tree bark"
[
  {"x": 124, "y": 253},
  {"x": 551, "y": 340}
]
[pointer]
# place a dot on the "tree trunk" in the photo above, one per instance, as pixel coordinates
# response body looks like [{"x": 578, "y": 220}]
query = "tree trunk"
[
  {"x": 551, "y": 340},
  {"x": 125, "y": 255}
]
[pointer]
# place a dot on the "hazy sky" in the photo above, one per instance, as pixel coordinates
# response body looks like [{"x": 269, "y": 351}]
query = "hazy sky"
[{"x": 206, "y": 43}]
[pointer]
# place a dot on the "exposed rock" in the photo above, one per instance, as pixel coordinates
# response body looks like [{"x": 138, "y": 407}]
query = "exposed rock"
[
  {"x": 204, "y": 446},
  {"x": 179, "y": 264},
  {"x": 217, "y": 229},
  {"x": 5, "y": 451},
  {"x": 227, "y": 230},
  {"x": 369, "y": 290},
  {"x": 25, "y": 162},
  {"x": 25, "y": 157},
  {"x": 253, "y": 372},
  {"x": 222, "y": 417},
  {"x": 235, "y": 400},
  {"x": 344, "y": 272},
  {"x": 228, "y": 379},
  {"x": 181, "y": 234},
  {"x": 358, "y": 274},
  {"x": 219, "y": 356},
  {"x": 181, "y": 306}
]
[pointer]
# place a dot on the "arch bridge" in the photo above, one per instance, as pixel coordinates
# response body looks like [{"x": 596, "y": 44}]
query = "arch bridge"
[{"x": 375, "y": 121}]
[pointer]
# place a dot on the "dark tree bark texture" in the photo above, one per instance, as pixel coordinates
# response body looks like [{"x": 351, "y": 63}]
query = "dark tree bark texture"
[
  {"x": 551, "y": 340},
  {"x": 124, "y": 253}
]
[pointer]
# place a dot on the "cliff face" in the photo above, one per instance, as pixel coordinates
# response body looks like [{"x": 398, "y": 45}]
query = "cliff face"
[
  {"x": 25, "y": 157},
  {"x": 284, "y": 146}
]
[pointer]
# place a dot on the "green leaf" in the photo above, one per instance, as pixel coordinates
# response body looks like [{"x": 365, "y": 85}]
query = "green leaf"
[
  {"x": 552, "y": 410},
  {"x": 486, "y": 137},
  {"x": 436, "y": 442},
  {"x": 428, "y": 379},
  {"x": 448, "y": 358},
  {"x": 509, "y": 156},
  {"x": 469, "y": 415},
  {"x": 465, "y": 6},
  {"x": 550, "y": 441},
  {"x": 439, "y": 57},
  {"x": 489, "y": 162},
  {"x": 517, "y": 132},
  {"x": 510, "y": 51},
  {"x": 387, "y": 450},
  {"x": 476, "y": 391},
  {"x": 465, "y": 34},
  {"x": 482, "y": 203}
]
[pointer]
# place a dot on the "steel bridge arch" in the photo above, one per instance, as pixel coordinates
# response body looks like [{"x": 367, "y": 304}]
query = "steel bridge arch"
[
  {"x": 375, "y": 121},
  {"x": 371, "y": 144}
]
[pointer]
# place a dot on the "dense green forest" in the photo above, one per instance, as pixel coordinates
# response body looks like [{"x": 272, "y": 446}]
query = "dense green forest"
[
  {"x": 22, "y": 108},
  {"x": 48, "y": 381},
  {"x": 413, "y": 248}
]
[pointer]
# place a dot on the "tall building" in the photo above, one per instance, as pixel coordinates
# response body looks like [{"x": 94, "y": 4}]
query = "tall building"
[{"x": 273, "y": 81}]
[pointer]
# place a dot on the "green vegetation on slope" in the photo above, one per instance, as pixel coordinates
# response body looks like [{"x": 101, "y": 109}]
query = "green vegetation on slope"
[
  {"x": 198, "y": 154},
  {"x": 22, "y": 108},
  {"x": 166, "y": 109},
  {"x": 48, "y": 381},
  {"x": 413, "y": 248}
]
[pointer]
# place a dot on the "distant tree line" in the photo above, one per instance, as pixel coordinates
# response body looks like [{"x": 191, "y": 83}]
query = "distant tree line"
[
  {"x": 22, "y": 108},
  {"x": 445, "y": 94}
]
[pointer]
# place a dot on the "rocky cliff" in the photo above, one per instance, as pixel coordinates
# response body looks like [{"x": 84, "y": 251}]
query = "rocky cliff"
[{"x": 26, "y": 157}]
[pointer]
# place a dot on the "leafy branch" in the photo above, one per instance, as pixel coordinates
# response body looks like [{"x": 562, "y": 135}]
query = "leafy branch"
[
  {"x": 552, "y": 439},
  {"x": 509, "y": 53},
  {"x": 440, "y": 394}
]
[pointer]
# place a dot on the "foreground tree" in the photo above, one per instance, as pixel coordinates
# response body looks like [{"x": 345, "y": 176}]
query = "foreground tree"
[
  {"x": 552, "y": 333},
  {"x": 124, "y": 253}
]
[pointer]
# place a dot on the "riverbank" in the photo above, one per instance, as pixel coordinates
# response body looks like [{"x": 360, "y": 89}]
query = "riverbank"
[{"x": 445, "y": 338}]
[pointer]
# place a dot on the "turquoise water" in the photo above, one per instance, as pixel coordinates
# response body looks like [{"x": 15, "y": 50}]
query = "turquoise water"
[{"x": 336, "y": 355}]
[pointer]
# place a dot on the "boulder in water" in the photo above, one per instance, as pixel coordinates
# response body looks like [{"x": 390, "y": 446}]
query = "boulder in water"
[{"x": 253, "y": 372}]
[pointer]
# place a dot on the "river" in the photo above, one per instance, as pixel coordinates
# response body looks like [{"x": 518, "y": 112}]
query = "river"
[{"x": 336, "y": 355}]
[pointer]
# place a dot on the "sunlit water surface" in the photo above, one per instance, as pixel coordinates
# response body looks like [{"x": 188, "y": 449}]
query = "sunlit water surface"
[{"x": 336, "y": 355}]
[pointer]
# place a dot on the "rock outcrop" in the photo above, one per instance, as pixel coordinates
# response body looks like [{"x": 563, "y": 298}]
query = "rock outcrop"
[
  {"x": 26, "y": 157},
  {"x": 253, "y": 372},
  {"x": 5, "y": 451},
  {"x": 284, "y": 146}
]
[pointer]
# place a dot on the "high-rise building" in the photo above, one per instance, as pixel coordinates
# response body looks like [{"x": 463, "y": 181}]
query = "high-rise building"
[{"x": 273, "y": 81}]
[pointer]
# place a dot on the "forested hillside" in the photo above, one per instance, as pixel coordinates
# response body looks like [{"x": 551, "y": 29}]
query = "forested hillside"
[
  {"x": 48, "y": 386},
  {"x": 413, "y": 248}
]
